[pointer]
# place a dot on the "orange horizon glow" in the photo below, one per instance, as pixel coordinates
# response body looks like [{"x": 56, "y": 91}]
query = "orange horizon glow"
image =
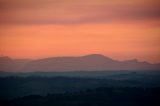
[
  {"x": 116, "y": 41},
  {"x": 120, "y": 29}
]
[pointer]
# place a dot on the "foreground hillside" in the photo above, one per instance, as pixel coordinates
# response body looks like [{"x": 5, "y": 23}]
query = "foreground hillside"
[
  {"x": 104, "y": 96},
  {"x": 15, "y": 85}
]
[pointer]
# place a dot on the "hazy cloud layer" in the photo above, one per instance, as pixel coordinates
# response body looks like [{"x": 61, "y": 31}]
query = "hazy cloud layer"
[{"x": 77, "y": 11}]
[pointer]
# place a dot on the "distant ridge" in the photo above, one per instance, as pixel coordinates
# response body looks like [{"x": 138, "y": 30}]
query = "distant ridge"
[{"x": 92, "y": 62}]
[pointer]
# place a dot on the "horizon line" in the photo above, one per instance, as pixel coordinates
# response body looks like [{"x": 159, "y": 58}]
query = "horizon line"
[{"x": 80, "y": 56}]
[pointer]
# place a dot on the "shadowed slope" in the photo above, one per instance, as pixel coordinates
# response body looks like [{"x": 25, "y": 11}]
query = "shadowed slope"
[{"x": 93, "y": 62}]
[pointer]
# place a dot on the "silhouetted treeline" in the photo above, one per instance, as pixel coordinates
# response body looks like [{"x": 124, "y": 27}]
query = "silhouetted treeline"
[
  {"x": 103, "y": 96},
  {"x": 81, "y": 89},
  {"x": 12, "y": 87}
]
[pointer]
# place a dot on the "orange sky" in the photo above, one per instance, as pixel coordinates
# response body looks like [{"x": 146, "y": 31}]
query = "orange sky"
[{"x": 120, "y": 29}]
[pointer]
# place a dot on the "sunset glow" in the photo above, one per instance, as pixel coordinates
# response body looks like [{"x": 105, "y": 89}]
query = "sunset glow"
[{"x": 120, "y": 29}]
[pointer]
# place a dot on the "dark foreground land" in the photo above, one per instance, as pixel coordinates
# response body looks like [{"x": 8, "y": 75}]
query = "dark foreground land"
[
  {"x": 103, "y": 96},
  {"x": 80, "y": 89}
]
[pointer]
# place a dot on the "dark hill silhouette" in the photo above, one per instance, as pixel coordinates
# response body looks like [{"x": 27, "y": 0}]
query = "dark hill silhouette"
[
  {"x": 8, "y": 64},
  {"x": 101, "y": 96},
  {"x": 93, "y": 62}
]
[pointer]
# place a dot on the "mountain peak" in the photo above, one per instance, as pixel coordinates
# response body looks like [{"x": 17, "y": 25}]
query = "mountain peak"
[
  {"x": 132, "y": 60},
  {"x": 95, "y": 55},
  {"x": 90, "y": 62}
]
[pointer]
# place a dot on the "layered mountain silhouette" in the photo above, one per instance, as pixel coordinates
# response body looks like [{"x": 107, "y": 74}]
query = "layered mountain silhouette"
[{"x": 93, "y": 62}]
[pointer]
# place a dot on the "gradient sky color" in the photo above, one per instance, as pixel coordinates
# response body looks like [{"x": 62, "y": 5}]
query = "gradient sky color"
[{"x": 121, "y": 29}]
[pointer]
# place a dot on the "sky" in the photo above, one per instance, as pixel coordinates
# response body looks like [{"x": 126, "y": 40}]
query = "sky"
[{"x": 120, "y": 29}]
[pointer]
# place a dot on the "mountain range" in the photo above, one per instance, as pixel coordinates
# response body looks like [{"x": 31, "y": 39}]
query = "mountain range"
[{"x": 93, "y": 62}]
